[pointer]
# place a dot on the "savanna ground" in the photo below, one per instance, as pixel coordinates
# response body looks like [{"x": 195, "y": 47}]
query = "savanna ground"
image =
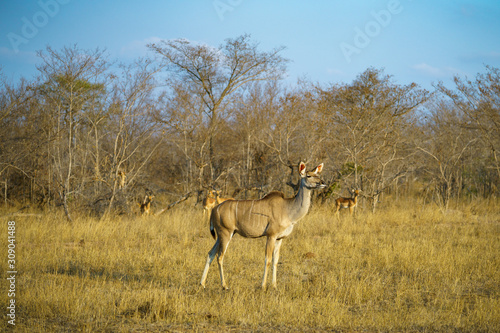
[{"x": 405, "y": 268}]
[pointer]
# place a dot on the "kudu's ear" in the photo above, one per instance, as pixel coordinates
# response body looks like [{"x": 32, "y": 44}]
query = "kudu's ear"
[
  {"x": 302, "y": 169},
  {"x": 319, "y": 168}
]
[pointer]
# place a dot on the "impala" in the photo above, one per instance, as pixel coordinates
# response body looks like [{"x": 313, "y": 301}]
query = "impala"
[
  {"x": 122, "y": 176},
  {"x": 273, "y": 216},
  {"x": 347, "y": 203},
  {"x": 146, "y": 204},
  {"x": 209, "y": 203},
  {"x": 220, "y": 199}
]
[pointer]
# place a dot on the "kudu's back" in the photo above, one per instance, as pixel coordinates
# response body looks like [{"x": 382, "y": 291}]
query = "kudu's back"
[{"x": 249, "y": 218}]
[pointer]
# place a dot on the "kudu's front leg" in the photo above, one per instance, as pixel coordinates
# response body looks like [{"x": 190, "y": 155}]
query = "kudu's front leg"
[
  {"x": 276, "y": 257},
  {"x": 270, "y": 244}
]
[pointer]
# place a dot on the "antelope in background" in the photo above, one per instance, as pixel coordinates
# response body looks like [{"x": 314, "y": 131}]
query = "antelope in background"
[
  {"x": 273, "y": 217},
  {"x": 347, "y": 203},
  {"x": 220, "y": 199},
  {"x": 213, "y": 199},
  {"x": 209, "y": 203},
  {"x": 122, "y": 176},
  {"x": 146, "y": 204}
]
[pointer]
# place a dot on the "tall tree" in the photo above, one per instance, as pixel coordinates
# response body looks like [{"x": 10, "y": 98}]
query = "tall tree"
[
  {"x": 254, "y": 116},
  {"x": 479, "y": 100},
  {"x": 19, "y": 137},
  {"x": 446, "y": 143},
  {"x": 133, "y": 135},
  {"x": 214, "y": 74},
  {"x": 70, "y": 82},
  {"x": 370, "y": 116}
]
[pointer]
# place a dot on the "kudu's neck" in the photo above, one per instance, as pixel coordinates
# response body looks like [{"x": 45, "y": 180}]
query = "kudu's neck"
[{"x": 299, "y": 206}]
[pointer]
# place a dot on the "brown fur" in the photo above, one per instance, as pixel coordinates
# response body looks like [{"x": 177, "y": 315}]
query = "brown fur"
[
  {"x": 209, "y": 203},
  {"x": 221, "y": 200},
  {"x": 347, "y": 203},
  {"x": 146, "y": 205},
  {"x": 272, "y": 216}
]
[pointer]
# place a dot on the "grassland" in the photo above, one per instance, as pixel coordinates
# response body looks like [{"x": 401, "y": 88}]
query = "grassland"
[{"x": 405, "y": 268}]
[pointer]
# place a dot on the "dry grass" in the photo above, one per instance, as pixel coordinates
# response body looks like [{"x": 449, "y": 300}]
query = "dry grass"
[{"x": 401, "y": 269}]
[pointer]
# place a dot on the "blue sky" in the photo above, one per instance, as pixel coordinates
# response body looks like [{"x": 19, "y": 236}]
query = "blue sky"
[{"x": 418, "y": 41}]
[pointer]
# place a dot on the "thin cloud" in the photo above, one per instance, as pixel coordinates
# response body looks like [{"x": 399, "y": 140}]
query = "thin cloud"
[
  {"x": 436, "y": 72},
  {"x": 334, "y": 71},
  {"x": 138, "y": 48},
  {"x": 22, "y": 56},
  {"x": 484, "y": 57}
]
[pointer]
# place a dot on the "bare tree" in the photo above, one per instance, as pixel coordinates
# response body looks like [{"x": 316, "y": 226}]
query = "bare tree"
[
  {"x": 181, "y": 115},
  {"x": 214, "y": 74},
  {"x": 134, "y": 135},
  {"x": 18, "y": 138},
  {"x": 367, "y": 120},
  {"x": 254, "y": 116},
  {"x": 479, "y": 100},
  {"x": 293, "y": 131},
  {"x": 446, "y": 142},
  {"x": 70, "y": 82}
]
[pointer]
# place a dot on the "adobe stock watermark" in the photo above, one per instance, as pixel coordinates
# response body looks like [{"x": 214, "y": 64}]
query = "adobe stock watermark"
[
  {"x": 224, "y": 6},
  {"x": 362, "y": 37},
  {"x": 31, "y": 25},
  {"x": 11, "y": 272}
]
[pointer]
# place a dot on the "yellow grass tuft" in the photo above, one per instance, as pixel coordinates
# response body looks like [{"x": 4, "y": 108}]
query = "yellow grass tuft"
[{"x": 404, "y": 268}]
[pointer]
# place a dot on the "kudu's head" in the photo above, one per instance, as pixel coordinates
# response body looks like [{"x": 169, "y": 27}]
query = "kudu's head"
[{"x": 311, "y": 179}]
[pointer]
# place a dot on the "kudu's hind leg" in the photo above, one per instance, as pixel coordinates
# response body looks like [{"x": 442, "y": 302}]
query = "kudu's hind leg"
[
  {"x": 220, "y": 257},
  {"x": 210, "y": 258}
]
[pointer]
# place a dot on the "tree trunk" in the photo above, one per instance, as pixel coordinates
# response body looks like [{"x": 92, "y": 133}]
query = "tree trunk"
[{"x": 65, "y": 206}]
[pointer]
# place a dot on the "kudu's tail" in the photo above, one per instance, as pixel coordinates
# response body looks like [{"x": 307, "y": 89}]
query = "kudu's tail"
[{"x": 212, "y": 216}]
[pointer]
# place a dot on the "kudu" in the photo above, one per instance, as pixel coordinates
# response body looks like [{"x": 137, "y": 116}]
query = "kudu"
[
  {"x": 347, "y": 203},
  {"x": 272, "y": 216}
]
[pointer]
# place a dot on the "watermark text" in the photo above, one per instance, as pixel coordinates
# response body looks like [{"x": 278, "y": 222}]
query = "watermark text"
[
  {"x": 11, "y": 272},
  {"x": 31, "y": 25},
  {"x": 363, "y": 36},
  {"x": 223, "y": 6}
]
